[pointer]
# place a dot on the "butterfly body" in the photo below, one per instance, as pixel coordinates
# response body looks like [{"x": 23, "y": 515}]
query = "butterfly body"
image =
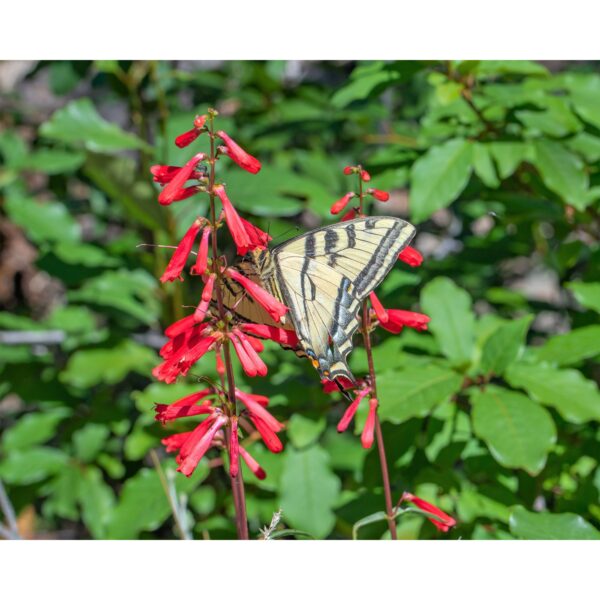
[{"x": 323, "y": 276}]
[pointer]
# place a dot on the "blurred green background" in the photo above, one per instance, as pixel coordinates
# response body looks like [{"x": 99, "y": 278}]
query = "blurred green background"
[{"x": 492, "y": 414}]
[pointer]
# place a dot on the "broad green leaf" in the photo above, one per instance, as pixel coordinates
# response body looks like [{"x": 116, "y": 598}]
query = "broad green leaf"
[
  {"x": 132, "y": 292},
  {"x": 510, "y": 67},
  {"x": 86, "y": 255},
  {"x": 585, "y": 89},
  {"x": 303, "y": 431},
  {"x": 518, "y": 432},
  {"x": 439, "y": 176},
  {"x": 87, "y": 368},
  {"x": 79, "y": 123},
  {"x": 414, "y": 392},
  {"x": 53, "y": 162},
  {"x": 587, "y": 294},
  {"x": 562, "y": 172},
  {"x": 89, "y": 441},
  {"x": 452, "y": 319},
  {"x": 576, "y": 398},
  {"x": 309, "y": 490},
  {"x": 509, "y": 155},
  {"x": 571, "y": 347},
  {"x": 42, "y": 221},
  {"x": 63, "y": 492},
  {"x": 556, "y": 121},
  {"x": 587, "y": 145},
  {"x": 502, "y": 346},
  {"x": 473, "y": 504},
  {"x": 23, "y": 467},
  {"x": 32, "y": 429},
  {"x": 97, "y": 502},
  {"x": 483, "y": 165},
  {"x": 547, "y": 526}
]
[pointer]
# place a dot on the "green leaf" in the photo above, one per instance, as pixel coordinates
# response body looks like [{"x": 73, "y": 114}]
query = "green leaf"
[
  {"x": 546, "y": 526},
  {"x": 87, "y": 368},
  {"x": 132, "y": 292},
  {"x": 414, "y": 392},
  {"x": 89, "y": 441},
  {"x": 509, "y": 155},
  {"x": 518, "y": 432},
  {"x": 33, "y": 429},
  {"x": 587, "y": 294},
  {"x": 303, "y": 431},
  {"x": 439, "y": 176},
  {"x": 502, "y": 347},
  {"x": 452, "y": 320},
  {"x": 570, "y": 348},
  {"x": 585, "y": 90},
  {"x": 562, "y": 172},
  {"x": 42, "y": 221},
  {"x": 576, "y": 398},
  {"x": 97, "y": 502},
  {"x": 53, "y": 162},
  {"x": 86, "y": 255},
  {"x": 79, "y": 123},
  {"x": 309, "y": 490},
  {"x": 23, "y": 467},
  {"x": 483, "y": 165}
]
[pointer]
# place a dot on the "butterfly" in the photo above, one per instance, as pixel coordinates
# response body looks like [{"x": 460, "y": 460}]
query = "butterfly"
[{"x": 322, "y": 276}]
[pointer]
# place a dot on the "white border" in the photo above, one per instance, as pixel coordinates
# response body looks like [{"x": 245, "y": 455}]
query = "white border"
[{"x": 309, "y": 29}]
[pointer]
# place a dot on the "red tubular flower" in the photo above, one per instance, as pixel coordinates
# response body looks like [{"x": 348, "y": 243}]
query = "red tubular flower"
[
  {"x": 348, "y": 170},
  {"x": 259, "y": 239},
  {"x": 269, "y": 437},
  {"x": 285, "y": 337},
  {"x": 170, "y": 191},
  {"x": 184, "y": 407},
  {"x": 180, "y": 326},
  {"x": 185, "y": 139},
  {"x": 199, "y": 121},
  {"x": 262, "y": 400},
  {"x": 251, "y": 362},
  {"x": 381, "y": 313},
  {"x": 174, "y": 442},
  {"x": 329, "y": 387},
  {"x": 397, "y": 319},
  {"x": 202, "y": 259},
  {"x": 180, "y": 256},
  {"x": 197, "y": 444},
  {"x": 367, "y": 434},
  {"x": 443, "y": 521},
  {"x": 351, "y": 214},
  {"x": 234, "y": 449},
  {"x": 179, "y": 361},
  {"x": 275, "y": 308},
  {"x": 205, "y": 299},
  {"x": 184, "y": 193},
  {"x": 164, "y": 173},
  {"x": 351, "y": 410},
  {"x": 252, "y": 464},
  {"x": 341, "y": 204},
  {"x": 364, "y": 175},
  {"x": 258, "y": 411},
  {"x": 234, "y": 222},
  {"x": 239, "y": 155},
  {"x": 379, "y": 194},
  {"x": 411, "y": 256}
]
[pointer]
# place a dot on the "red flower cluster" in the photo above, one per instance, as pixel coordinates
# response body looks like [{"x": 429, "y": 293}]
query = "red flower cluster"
[
  {"x": 193, "y": 445},
  {"x": 210, "y": 326}
]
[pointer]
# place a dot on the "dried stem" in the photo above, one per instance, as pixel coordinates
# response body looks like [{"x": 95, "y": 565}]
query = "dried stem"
[{"x": 237, "y": 482}]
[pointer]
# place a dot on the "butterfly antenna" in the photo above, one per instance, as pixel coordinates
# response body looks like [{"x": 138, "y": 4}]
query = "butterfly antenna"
[
  {"x": 344, "y": 392},
  {"x": 295, "y": 228}
]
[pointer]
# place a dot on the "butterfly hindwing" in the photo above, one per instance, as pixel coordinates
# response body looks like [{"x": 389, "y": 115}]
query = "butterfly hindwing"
[{"x": 325, "y": 275}]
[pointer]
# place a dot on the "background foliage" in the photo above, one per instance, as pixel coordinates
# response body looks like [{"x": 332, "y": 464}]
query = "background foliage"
[{"x": 493, "y": 414}]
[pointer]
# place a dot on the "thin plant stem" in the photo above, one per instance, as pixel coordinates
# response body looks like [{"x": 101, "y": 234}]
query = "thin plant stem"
[
  {"x": 385, "y": 474},
  {"x": 9, "y": 514},
  {"x": 230, "y": 407},
  {"x": 183, "y": 534}
]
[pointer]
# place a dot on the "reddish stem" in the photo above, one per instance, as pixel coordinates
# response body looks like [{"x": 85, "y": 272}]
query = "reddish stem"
[{"x": 237, "y": 482}]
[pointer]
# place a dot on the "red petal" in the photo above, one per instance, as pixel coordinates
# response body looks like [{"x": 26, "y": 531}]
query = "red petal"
[
  {"x": 381, "y": 313},
  {"x": 185, "y": 139},
  {"x": 367, "y": 435},
  {"x": 341, "y": 204},
  {"x": 197, "y": 444},
  {"x": 252, "y": 464},
  {"x": 286, "y": 337},
  {"x": 411, "y": 256},
  {"x": 398, "y": 318},
  {"x": 364, "y": 175},
  {"x": 180, "y": 256},
  {"x": 269, "y": 437},
  {"x": 234, "y": 222},
  {"x": 202, "y": 259},
  {"x": 170, "y": 191},
  {"x": 184, "y": 407},
  {"x": 239, "y": 155},
  {"x": 234, "y": 449},
  {"x": 379, "y": 194},
  {"x": 205, "y": 299},
  {"x": 444, "y": 522},
  {"x": 348, "y": 170}
]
